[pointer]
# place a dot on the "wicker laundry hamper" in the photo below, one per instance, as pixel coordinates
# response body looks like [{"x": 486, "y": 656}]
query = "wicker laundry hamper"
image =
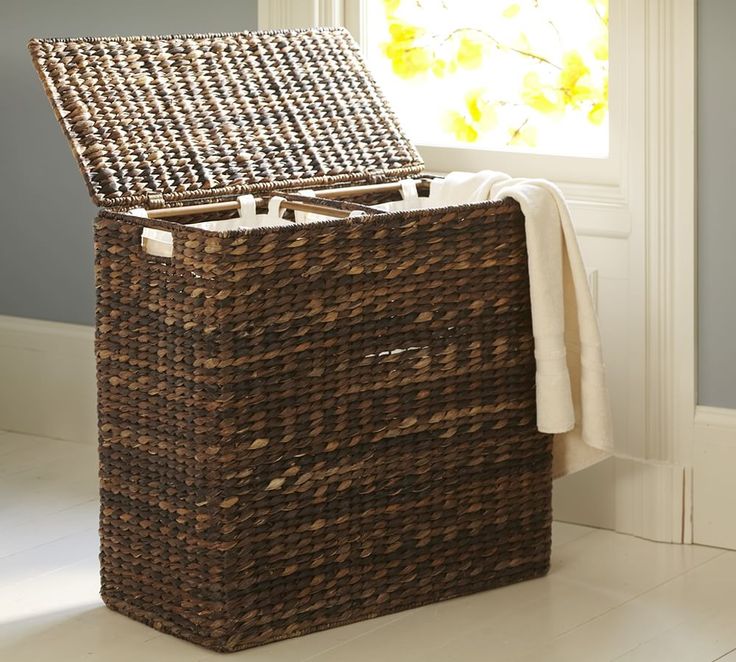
[{"x": 304, "y": 426}]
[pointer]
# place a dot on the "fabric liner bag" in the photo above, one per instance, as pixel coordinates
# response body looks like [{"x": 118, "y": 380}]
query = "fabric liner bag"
[
  {"x": 159, "y": 242},
  {"x": 410, "y": 198},
  {"x": 301, "y": 425}
]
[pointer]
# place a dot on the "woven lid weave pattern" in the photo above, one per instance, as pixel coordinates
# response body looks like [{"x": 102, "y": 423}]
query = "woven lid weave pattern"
[{"x": 194, "y": 115}]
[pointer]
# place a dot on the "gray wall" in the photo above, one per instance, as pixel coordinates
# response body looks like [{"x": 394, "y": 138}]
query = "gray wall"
[
  {"x": 717, "y": 202},
  {"x": 46, "y": 262}
]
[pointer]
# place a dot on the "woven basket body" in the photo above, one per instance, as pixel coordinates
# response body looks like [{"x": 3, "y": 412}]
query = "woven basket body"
[{"x": 305, "y": 426}]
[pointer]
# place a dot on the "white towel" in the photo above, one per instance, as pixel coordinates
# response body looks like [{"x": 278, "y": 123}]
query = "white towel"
[
  {"x": 460, "y": 188},
  {"x": 572, "y": 397}
]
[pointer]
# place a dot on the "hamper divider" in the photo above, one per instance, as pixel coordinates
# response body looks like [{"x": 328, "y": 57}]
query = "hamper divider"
[
  {"x": 372, "y": 195},
  {"x": 294, "y": 203},
  {"x": 366, "y": 189}
]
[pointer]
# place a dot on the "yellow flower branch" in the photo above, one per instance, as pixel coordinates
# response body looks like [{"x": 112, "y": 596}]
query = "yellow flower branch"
[{"x": 415, "y": 52}]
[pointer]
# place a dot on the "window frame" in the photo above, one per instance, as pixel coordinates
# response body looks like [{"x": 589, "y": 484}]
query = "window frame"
[{"x": 573, "y": 170}]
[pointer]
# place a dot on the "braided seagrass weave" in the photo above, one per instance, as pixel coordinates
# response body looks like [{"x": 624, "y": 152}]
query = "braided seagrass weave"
[
  {"x": 314, "y": 425},
  {"x": 188, "y": 115},
  {"x": 304, "y": 426}
]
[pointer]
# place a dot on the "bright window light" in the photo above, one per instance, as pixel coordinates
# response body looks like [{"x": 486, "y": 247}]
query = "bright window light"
[{"x": 525, "y": 75}]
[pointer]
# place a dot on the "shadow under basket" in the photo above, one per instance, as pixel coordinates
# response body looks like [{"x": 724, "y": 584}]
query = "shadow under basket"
[{"x": 309, "y": 425}]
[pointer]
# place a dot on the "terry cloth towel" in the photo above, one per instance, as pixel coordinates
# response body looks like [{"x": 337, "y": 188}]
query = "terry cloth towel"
[{"x": 571, "y": 392}]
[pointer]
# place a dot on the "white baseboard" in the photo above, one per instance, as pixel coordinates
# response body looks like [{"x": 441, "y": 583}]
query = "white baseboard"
[
  {"x": 639, "y": 497},
  {"x": 714, "y": 477},
  {"x": 47, "y": 379}
]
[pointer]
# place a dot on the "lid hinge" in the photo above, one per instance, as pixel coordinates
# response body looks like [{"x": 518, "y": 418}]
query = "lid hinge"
[{"x": 155, "y": 201}]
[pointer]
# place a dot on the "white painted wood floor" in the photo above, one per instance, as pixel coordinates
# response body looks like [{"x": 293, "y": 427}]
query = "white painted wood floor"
[{"x": 607, "y": 597}]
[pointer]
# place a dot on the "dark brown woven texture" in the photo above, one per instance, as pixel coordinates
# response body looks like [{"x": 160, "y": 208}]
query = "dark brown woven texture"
[
  {"x": 304, "y": 426},
  {"x": 312, "y": 425},
  {"x": 188, "y": 115}
]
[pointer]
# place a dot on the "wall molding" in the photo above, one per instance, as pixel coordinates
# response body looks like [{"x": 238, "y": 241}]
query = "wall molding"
[
  {"x": 665, "y": 488},
  {"x": 48, "y": 385},
  {"x": 277, "y": 14},
  {"x": 650, "y": 482},
  {"x": 671, "y": 240},
  {"x": 715, "y": 417},
  {"x": 714, "y": 488},
  {"x": 330, "y": 13},
  {"x": 282, "y": 14}
]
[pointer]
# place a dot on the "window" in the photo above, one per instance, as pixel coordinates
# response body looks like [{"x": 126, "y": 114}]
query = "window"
[
  {"x": 522, "y": 75},
  {"x": 515, "y": 85}
]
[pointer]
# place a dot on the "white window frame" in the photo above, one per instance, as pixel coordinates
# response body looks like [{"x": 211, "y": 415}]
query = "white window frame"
[{"x": 606, "y": 172}]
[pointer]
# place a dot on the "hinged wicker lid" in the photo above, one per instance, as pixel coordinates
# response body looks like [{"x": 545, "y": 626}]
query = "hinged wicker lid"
[{"x": 192, "y": 115}]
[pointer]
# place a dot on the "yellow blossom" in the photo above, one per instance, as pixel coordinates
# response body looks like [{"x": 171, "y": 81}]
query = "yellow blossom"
[
  {"x": 511, "y": 11},
  {"x": 597, "y": 113},
  {"x": 525, "y": 136},
  {"x": 573, "y": 71},
  {"x": 403, "y": 32},
  {"x": 456, "y": 124},
  {"x": 439, "y": 67},
  {"x": 600, "y": 47},
  {"x": 470, "y": 53},
  {"x": 534, "y": 95},
  {"x": 480, "y": 110},
  {"x": 390, "y": 6},
  {"x": 522, "y": 42},
  {"x": 407, "y": 59},
  {"x": 411, "y": 62}
]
